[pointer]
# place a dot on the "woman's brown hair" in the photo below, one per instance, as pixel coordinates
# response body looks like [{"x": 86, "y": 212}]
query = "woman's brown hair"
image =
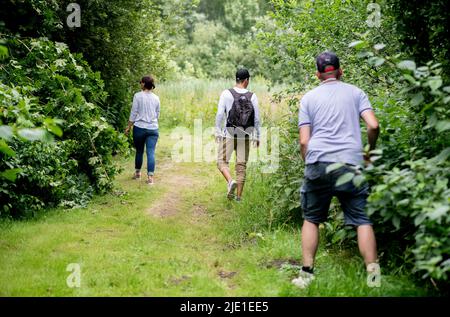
[{"x": 149, "y": 82}]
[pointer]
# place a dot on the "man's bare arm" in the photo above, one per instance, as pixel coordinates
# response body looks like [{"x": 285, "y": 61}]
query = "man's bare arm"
[
  {"x": 373, "y": 129},
  {"x": 305, "y": 135}
]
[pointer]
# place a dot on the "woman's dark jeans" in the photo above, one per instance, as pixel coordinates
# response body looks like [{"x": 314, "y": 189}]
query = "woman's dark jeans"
[{"x": 145, "y": 138}]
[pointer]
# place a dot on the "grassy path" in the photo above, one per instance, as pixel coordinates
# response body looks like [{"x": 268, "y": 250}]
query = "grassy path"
[{"x": 172, "y": 239}]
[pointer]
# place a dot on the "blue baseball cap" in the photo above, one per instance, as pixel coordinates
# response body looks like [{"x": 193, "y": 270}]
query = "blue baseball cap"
[{"x": 327, "y": 62}]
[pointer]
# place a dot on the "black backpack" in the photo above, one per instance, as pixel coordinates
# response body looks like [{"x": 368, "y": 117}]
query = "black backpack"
[{"x": 242, "y": 113}]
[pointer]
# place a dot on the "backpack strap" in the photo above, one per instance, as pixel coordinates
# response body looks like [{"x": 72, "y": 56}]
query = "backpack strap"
[
  {"x": 237, "y": 95},
  {"x": 249, "y": 95},
  {"x": 234, "y": 93}
]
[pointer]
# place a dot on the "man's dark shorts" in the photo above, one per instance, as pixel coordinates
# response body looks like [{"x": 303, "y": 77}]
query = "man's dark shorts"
[{"x": 319, "y": 188}]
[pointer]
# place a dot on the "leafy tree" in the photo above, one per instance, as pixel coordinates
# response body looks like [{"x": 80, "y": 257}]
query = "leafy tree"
[
  {"x": 43, "y": 80},
  {"x": 218, "y": 38},
  {"x": 423, "y": 30},
  {"x": 241, "y": 15}
]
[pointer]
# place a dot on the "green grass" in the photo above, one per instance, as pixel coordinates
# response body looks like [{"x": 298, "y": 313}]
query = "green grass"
[
  {"x": 205, "y": 246},
  {"x": 123, "y": 250},
  {"x": 183, "y": 102}
]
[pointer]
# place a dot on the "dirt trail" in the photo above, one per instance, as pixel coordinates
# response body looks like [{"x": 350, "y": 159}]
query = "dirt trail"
[
  {"x": 169, "y": 204},
  {"x": 172, "y": 205}
]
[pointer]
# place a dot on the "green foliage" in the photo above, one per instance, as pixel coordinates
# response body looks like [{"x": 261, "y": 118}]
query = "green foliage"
[
  {"x": 413, "y": 202},
  {"x": 423, "y": 30},
  {"x": 189, "y": 100},
  {"x": 130, "y": 36},
  {"x": 241, "y": 15},
  {"x": 410, "y": 197},
  {"x": 169, "y": 39},
  {"x": 18, "y": 122},
  {"x": 124, "y": 40},
  {"x": 166, "y": 257},
  {"x": 44, "y": 80},
  {"x": 56, "y": 141},
  {"x": 297, "y": 31},
  {"x": 288, "y": 178},
  {"x": 218, "y": 39}
]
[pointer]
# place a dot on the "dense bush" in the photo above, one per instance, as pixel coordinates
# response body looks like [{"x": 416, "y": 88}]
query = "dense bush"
[
  {"x": 410, "y": 200},
  {"x": 55, "y": 140},
  {"x": 423, "y": 31},
  {"x": 44, "y": 80},
  {"x": 411, "y": 203}
]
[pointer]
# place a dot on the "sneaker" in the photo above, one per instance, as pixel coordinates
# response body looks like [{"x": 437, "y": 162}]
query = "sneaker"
[
  {"x": 238, "y": 199},
  {"x": 150, "y": 181},
  {"x": 137, "y": 176},
  {"x": 303, "y": 280},
  {"x": 231, "y": 188}
]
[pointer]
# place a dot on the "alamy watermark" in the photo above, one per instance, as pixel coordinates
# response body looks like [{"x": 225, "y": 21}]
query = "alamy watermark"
[
  {"x": 74, "y": 18},
  {"x": 199, "y": 145},
  {"x": 373, "y": 280},
  {"x": 73, "y": 280},
  {"x": 374, "y": 17}
]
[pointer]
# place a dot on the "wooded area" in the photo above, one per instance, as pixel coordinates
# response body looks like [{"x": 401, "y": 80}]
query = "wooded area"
[{"x": 66, "y": 93}]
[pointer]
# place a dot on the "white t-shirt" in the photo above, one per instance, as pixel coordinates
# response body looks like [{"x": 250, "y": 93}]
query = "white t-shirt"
[
  {"x": 145, "y": 110},
  {"x": 224, "y": 107}
]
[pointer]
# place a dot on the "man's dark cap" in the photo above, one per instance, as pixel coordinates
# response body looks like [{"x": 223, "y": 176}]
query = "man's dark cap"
[
  {"x": 327, "y": 62},
  {"x": 242, "y": 74}
]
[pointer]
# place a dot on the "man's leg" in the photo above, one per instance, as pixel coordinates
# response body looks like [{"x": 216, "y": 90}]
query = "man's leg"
[
  {"x": 242, "y": 146},
  {"x": 310, "y": 242},
  {"x": 226, "y": 173},
  {"x": 353, "y": 201},
  {"x": 224, "y": 154},
  {"x": 223, "y": 158},
  {"x": 240, "y": 189},
  {"x": 367, "y": 244},
  {"x": 315, "y": 201},
  {"x": 368, "y": 248}
]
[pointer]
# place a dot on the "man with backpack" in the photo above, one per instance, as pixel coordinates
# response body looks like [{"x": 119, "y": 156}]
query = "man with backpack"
[
  {"x": 238, "y": 108},
  {"x": 329, "y": 126}
]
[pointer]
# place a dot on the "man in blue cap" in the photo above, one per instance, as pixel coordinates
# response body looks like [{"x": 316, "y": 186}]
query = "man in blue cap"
[{"x": 329, "y": 126}]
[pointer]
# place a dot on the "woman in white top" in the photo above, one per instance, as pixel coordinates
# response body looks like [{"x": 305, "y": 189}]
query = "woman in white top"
[{"x": 144, "y": 117}]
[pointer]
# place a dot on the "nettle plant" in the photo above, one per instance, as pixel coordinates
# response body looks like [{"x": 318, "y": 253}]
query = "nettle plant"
[{"x": 56, "y": 146}]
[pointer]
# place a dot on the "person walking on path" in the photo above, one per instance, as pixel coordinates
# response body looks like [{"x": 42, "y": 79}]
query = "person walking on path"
[
  {"x": 238, "y": 108},
  {"x": 144, "y": 120},
  {"x": 329, "y": 127}
]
